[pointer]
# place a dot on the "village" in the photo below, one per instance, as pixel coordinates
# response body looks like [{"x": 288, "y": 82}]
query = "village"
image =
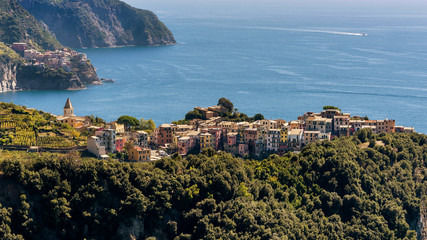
[
  {"x": 58, "y": 59},
  {"x": 246, "y": 139}
]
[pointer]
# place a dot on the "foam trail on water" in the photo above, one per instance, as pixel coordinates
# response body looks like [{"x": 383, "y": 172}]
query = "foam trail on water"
[{"x": 309, "y": 30}]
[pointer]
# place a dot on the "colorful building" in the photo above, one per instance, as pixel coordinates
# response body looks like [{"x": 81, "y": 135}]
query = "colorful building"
[
  {"x": 163, "y": 135},
  {"x": 206, "y": 141},
  {"x": 295, "y": 138},
  {"x": 120, "y": 143},
  {"x": 273, "y": 140},
  {"x": 138, "y": 154}
]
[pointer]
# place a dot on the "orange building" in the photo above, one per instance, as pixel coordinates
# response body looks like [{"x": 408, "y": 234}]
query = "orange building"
[
  {"x": 163, "y": 134},
  {"x": 381, "y": 125},
  {"x": 385, "y": 126},
  {"x": 250, "y": 135}
]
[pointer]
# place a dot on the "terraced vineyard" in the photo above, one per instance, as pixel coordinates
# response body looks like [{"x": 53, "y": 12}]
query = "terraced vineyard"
[{"x": 20, "y": 126}]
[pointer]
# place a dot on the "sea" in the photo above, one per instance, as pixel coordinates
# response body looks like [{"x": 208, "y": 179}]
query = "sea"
[{"x": 278, "y": 58}]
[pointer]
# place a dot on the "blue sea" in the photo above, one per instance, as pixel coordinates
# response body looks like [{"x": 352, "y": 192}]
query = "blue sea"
[{"x": 271, "y": 58}]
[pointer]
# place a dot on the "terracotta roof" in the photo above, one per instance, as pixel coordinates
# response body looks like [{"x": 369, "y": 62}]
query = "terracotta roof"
[{"x": 68, "y": 104}]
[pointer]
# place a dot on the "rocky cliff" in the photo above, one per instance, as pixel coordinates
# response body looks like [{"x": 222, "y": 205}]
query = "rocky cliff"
[
  {"x": 38, "y": 78},
  {"x": 9, "y": 61},
  {"x": 7, "y": 77},
  {"x": 99, "y": 23}
]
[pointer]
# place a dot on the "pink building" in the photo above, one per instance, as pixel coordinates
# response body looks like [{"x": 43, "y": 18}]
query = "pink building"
[
  {"x": 120, "y": 143},
  {"x": 232, "y": 139},
  {"x": 243, "y": 149},
  {"x": 217, "y": 135},
  {"x": 184, "y": 145},
  {"x": 187, "y": 143}
]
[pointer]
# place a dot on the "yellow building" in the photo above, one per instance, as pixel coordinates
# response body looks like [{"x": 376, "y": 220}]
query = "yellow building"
[
  {"x": 119, "y": 128},
  {"x": 138, "y": 154},
  {"x": 284, "y": 134},
  {"x": 206, "y": 141}
]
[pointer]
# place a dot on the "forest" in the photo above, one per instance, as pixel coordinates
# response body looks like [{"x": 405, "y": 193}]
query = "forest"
[{"x": 369, "y": 186}]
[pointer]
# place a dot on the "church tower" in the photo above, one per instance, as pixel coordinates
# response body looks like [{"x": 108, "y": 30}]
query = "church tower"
[{"x": 68, "y": 109}]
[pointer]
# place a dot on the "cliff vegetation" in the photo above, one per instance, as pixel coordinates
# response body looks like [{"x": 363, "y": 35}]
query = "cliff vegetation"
[
  {"x": 18, "y": 25},
  {"x": 99, "y": 23}
]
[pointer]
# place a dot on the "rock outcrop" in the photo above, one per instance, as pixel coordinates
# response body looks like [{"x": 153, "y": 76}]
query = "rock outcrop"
[
  {"x": 7, "y": 77},
  {"x": 99, "y": 23},
  {"x": 36, "y": 78}
]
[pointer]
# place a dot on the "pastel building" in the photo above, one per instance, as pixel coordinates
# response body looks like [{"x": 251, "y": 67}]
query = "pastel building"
[
  {"x": 386, "y": 126},
  {"x": 312, "y": 136},
  {"x": 119, "y": 128},
  {"x": 108, "y": 139},
  {"x": 243, "y": 149},
  {"x": 163, "y": 135},
  {"x": 231, "y": 143},
  {"x": 316, "y": 123},
  {"x": 95, "y": 147},
  {"x": 142, "y": 138},
  {"x": 250, "y": 135},
  {"x": 217, "y": 134},
  {"x": 402, "y": 129},
  {"x": 284, "y": 133},
  {"x": 269, "y": 124},
  {"x": 273, "y": 140},
  {"x": 138, "y": 154},
  {"x": 120, "y": 143},
  {"x": 206, "y": 141},
  {"x": 339, "y": 121},
  {"x": 295, "y": 139}
]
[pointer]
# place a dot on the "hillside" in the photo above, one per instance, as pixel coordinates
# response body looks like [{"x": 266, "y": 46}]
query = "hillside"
[
  {"x": 17, "y": 25},
  {"x": 343, "y": 189},
  {"x": 99, "y": 23},
  {"x": 20, "y": 126}
]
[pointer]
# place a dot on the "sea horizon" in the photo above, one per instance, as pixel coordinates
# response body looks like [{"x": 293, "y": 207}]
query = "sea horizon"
[{"x": 278, "y": 63}]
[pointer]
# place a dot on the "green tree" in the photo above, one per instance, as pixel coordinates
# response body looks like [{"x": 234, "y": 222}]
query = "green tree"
[
  {"x": 128, "y": 121},
  {"x": 195, "y": 114},
  {"x": 258, "y": 116},
  {"x": 226, "y": 103},
  {"x": 148, "y": 125},
  {"x": 330, "y": 107}
]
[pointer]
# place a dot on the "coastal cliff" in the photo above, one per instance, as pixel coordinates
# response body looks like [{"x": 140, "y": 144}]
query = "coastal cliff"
[
  {"x": 37, "y": 78},
  {"x": 16, "y": 74},
  {"x": 32, "y": 73},
  {"x": 9, "y": 62},
  {"x": 99, "y": 23},
  {"x": 7, "y": 77}
]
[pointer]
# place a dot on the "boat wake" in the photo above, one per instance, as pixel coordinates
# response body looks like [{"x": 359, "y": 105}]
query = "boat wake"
[{"x": 310, "y": 30}]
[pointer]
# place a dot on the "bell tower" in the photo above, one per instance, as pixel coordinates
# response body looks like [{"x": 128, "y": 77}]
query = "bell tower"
[{"x": 68, "y": 109}]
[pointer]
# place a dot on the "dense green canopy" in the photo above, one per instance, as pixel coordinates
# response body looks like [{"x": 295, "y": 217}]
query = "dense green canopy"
[
  {"x": 128, "y": 121},
  {"x": 343, "y": 189}
]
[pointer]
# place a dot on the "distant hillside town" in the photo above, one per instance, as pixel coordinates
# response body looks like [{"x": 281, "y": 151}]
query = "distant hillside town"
[
  {"x": 257, "y": 138},
  {"x": 55, "y": 59}
]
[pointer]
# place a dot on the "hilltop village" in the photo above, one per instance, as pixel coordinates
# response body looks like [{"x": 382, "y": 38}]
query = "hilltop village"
[
  {"x": 257, "y": 138},
  {"x": 58, "y": 59}
]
